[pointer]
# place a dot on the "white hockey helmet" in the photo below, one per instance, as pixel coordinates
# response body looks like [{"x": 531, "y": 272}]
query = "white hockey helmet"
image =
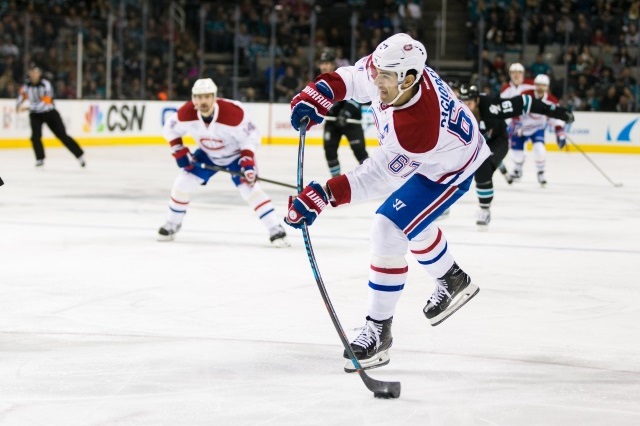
[
  {"x": 516, "y": 67},
  {"x": 400, "y": 53},
  {"x": 542, "y": 79},
  {"x": 204, "y": 86}
]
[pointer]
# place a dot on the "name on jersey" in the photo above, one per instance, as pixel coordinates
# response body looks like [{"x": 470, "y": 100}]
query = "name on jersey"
[{"x": 446, "y": 103}]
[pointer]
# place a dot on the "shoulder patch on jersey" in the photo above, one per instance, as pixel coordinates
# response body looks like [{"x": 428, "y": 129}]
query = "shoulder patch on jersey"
[
  {"x": 418, "y": 126},
  {"x": 187, "y": 112},
  {"x": 230, "y": 114}
]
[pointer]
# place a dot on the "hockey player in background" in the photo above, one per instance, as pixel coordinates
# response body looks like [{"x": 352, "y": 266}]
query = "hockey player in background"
[
  {"x": 337, "y": 125},
  {"x": 226, "y": 137},
  {"x": 532, "y": 127},
  {"x": 516, "y": 86},
  {"x": 430, "y": 146},
  {"x": 491, "y": 115}
]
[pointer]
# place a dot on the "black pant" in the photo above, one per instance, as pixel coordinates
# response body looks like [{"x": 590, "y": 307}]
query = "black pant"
[
  {"x": 354, "y": 133},
  {"x": 54, "y": 121},
  {"x": 484, "y": 175}
]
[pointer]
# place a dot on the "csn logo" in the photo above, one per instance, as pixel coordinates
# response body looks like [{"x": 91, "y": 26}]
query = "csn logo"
[{"x": 122, "y": 117}]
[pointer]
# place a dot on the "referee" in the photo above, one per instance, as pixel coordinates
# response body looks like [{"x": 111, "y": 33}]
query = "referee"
[{"x": 39, "y": 93}]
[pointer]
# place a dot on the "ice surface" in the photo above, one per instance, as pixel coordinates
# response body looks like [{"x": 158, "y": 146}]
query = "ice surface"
[{"x": 102, "y": 325}]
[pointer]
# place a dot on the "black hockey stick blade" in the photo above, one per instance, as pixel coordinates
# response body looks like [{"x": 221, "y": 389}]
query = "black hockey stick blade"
[
  {"x": 379, "y": 388},
  {"x": 234, "y": 173},
  {"x": 593, "y": 163}
]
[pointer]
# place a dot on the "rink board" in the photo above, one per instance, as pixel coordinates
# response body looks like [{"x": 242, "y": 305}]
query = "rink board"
[{"x": 93, "y": 122}]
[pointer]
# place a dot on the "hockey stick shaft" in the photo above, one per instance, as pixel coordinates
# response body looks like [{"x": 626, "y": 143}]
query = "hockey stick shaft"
[
  {"x": 348, "y": 120},
  {"x": 240, "y": 174},
  {"x": 576, "y": 146},
  {"x": 379, "y": 388}
]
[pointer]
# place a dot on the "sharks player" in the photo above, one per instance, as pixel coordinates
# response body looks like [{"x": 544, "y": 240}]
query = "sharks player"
[
  {"x": 430, "y": 146},
  {"x": 227, "y": 137},
  {"x": 532, "y": 127},
  {"x": 491, "y": 114}
]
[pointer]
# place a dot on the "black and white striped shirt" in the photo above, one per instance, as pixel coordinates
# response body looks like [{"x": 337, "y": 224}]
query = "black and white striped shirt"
[{"x": 40, "y": 96}]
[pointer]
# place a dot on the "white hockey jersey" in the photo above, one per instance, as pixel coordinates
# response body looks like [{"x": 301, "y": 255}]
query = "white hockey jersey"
[
  {"x": 434, "y": 134},
  {"x": 531, "y": 123},
  {"x": 230, "y": 132},
  {"x": 510, "y": 90}
]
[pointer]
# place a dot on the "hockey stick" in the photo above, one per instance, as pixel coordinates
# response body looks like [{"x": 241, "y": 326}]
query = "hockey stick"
[
  {"x": 576, "y": 146},
  {"x": 240, "y": 174},
  {"x": 379, "y": 388},
  {"x": 348, "y": 120}
]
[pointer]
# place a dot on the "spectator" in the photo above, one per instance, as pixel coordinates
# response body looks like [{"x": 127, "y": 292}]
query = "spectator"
[
  {"x": 609, "y": 102},
  {"x": 287, "y": 85},
  {"x": 540, "y": 66}
]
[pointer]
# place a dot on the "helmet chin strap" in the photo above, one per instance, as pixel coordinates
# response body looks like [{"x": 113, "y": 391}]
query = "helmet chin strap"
[{"x": 402, "y": 91}]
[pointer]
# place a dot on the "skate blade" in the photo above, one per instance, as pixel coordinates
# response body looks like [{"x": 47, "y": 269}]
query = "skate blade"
[
  {"x": 164, "y": 238},
  {"x": 379, "y": 360},
  {"x": 458, "y": 302},
  {"x": 280, "y": 243}
]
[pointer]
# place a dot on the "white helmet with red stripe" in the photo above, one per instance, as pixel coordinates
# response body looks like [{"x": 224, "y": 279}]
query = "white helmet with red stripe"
[{"x": 400, "y": 53}]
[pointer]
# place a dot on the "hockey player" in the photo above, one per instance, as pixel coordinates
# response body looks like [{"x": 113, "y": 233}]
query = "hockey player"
[
  {"x": 227, "y": 137},
  {"x": 532, "y": 127},
  {"x": 337, "y": 125},
  {"x": 516, "y": 86},
  {"x": 491, "y": 115},
  {"x": 430, "y": 146}
]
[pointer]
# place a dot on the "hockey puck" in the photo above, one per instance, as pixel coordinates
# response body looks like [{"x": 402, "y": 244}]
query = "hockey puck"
[{"x": 384, "y": 395}]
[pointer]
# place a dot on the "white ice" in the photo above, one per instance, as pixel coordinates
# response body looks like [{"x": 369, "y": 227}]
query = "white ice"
[{"x": 102, "y": 325}]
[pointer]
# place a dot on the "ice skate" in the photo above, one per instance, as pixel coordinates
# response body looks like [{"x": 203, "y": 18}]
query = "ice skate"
[
  {"x": 39, "y": 163},
  {"x": 516, "y": 175},
  {"x": 371, "y": 347},
  {"x": 168, "y": 231},
  {"x": 541, "y": 179},
  {"x": 483, "y": 218},
  {"x": 452, "y": 291},
  {"x": 82, "y": 161},
  {"x": 278, "y": 237},
  {"x": 505, "y": 173}
]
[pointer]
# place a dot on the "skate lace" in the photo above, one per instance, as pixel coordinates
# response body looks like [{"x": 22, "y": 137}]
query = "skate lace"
[
  {"x": 440, "y": 292},
  {"x": 370, "y": 333}
]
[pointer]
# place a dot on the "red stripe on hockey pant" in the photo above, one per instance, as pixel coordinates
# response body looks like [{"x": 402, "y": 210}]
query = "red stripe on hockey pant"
[{"x": 437, "y": 203}]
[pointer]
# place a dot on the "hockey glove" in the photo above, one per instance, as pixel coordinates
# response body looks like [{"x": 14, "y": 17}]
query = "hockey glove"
[
  {"x": 248, "y": 166},
  {"x": 561, "y": 137},
  {"x": 182, "y": 158},
  {"x": 314, "y": 101},
  {"x": 307, "y": 205},
  {"x": 562, "y": 113}
]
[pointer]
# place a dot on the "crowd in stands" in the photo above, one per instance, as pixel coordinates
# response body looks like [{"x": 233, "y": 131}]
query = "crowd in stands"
[
  {"x": 592, "y": 44},
  {"x": 49, "y": 30}
]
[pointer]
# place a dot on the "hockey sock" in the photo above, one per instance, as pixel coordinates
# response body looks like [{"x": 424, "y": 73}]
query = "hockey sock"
[
  {"x": 181, "y": 191},
  {"x": 387, "y": 277},
  {"x": 334, "y": 167},
  {"x": 539, "y": 153},
  {"x": 485, "y": 193},
  {"x": 430, "y": 250},
  {"x": 260, "y": 202},
  {"x": 518, "y": 158}
]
